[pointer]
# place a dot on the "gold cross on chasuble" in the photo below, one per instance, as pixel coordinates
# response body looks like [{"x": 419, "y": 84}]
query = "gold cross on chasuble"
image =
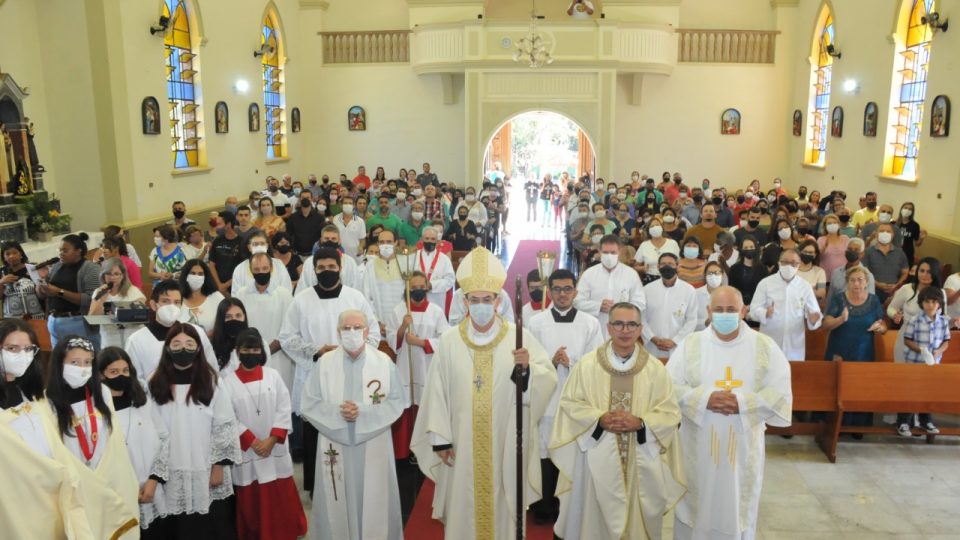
[{"x": 729, "y": 383}]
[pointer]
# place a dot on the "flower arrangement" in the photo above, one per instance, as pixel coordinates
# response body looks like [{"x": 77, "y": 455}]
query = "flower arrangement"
[{"x": 43, "y": 215}]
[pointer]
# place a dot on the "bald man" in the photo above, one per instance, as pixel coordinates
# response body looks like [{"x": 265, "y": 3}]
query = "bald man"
[{"x": 730, "y": 382}]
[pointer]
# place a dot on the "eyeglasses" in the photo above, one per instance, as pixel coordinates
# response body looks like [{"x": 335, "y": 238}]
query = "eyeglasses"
[
  {"x": 14, "y": 349},
  {"x": 620, "y": 326},
  {"x": 564, "y": 290}
]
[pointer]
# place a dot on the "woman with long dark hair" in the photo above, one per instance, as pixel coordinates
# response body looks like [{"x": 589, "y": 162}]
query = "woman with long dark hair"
[
  {"x": 230, "y": 320},
  {"x": 19, "y": 292},
  {"x": 904, "y": 307},
  {"x": 21, "y": 380},
  {"x": 204, "y": 442},
  {"x": 200, "y": 294}
]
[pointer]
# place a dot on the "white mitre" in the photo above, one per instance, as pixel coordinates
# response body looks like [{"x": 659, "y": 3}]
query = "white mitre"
[{"x": 481, "y": 270}]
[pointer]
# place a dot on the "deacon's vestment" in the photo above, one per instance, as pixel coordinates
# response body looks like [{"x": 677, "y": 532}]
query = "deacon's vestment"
[{"x": 383, "y": 286}]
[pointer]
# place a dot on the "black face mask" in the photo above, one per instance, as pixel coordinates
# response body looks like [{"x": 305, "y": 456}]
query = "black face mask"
[
  {"x": 331, "y": 245},
  {"x": 284, "y": 248},
  {"x": 328, "y": 278},
  {"x": 741, "y": 199},
  {"x": 418, "y": 295},
  {"x": 803, "y": 231},
  {"x": 872, "y": 205},
  {"x": 233, "y": 327},
  {"x": 717, "y": 200},
  {"x": 806, "y": 258},
  {"x": 844, "y": 219},
  {"x": 677, "y": 181},
  {"x": 536, "y": 294},
  {"x": 178, "y": 214},
  {"x": 262, "y": 278},
  {"x": 753, "y": 223},
  {"x": 749, "y": 253},
  {"x": 851, "y": 255},
  {"x": 120, "y": 383},
  {"x": 305, "y": 203},
  {"x": 429, "y": 246},
  {"x": 462, "y": 216},
  {"x": 274, "y": 189},
  {"x": 803, "y": 194},
  {"x": 250, "y": 360},
  {"x": 668, "y": 272},
  {"x": 698, "y": 199},
  {"x": 182, "y": 357}
]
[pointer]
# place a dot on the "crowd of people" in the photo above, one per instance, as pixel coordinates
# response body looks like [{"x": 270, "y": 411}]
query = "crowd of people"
[{"x": 291, "y": 328}]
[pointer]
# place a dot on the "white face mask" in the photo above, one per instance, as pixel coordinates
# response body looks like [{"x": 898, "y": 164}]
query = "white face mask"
[
  {"x": 714, "y": 281},
  {"x": 321, "y": 208},
  {"x": 771, "y": 198},
  {"x": 157, "y": 241},
  {"x": 669, "y": 219},
  {"x": 788, "y": 272},
  {"x": 386, "y": 251},
  {"x": 886, "y": 217},
  {"x": 609, "y": 260},
  {"x": 76, "y": 376},
  {"x": 195, "y": 282},
  {"x": 783, "y": 234},
  {"x": 884, "y": 237},
  {"x": 470, "y": 198},
  {"x": 168, "y": 314},
  {"x": 656, "y": 231},
  {"x": 906, "y": 212},
  {"x": 254, "y": 250},
  {"x": 832, "y": 228},
  {"x": 417, "y": 192},
  {"x": 417, "y": 216},
  {"x": 348, "y": 209},
  {"x": 16, "y": 364},
  {"x": 351, "y": 340},
  {"x": 596, "y": 238}
]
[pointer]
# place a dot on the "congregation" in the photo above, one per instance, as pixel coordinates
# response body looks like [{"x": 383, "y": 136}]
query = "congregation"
[{"x": 286, "y": 329}]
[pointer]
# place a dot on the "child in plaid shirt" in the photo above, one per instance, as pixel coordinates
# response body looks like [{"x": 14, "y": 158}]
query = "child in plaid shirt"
[{"x": 925, "y": 338}]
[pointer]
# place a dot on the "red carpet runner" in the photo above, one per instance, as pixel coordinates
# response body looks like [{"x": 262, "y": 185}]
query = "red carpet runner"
[
  {"x": 421, "y": 526},
  {"x": 525, "y": 260}
]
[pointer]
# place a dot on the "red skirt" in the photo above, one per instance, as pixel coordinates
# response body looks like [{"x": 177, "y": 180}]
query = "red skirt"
[
  {"x": 402, "y": 431},
  {"x": 270, "y": 511}
]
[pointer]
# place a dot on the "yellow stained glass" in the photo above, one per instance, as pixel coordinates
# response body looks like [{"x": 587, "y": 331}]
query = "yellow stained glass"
[
  {"x": 273, "y": 93},
  {"x": 180, "y": 59}
]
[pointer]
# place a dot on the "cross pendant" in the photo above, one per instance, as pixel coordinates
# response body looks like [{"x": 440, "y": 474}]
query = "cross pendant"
[
  {"x": 729, "y": 383},
  {"x": 478, "y": 382}
]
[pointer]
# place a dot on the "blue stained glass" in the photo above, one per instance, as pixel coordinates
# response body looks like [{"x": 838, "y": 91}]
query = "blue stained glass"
[{"x": 181, "y": 160}]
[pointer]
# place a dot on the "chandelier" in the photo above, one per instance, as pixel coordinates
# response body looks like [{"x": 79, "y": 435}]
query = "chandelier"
[{"x": 531, "y": 48}]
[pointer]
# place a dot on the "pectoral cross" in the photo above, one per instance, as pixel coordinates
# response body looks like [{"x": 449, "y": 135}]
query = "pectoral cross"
[
  {"x": 729, "y": 383},
  {"x": 478, "y": 382},
  {"x": 331, "y": 461}
]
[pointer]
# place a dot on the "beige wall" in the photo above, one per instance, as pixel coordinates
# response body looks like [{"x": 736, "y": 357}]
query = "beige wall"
[{"x": 520, "y": 9}]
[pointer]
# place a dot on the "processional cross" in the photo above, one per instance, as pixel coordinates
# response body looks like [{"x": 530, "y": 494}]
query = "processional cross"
[{"x": 331, "y": 461}]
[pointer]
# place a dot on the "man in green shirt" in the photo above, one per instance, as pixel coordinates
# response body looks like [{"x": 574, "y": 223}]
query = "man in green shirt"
[
  {"x": 411, "y": 230},
  {"x": 384, "y": 217}
]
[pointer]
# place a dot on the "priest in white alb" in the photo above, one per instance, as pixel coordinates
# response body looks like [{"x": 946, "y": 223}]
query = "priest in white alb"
[
  {"x": 784, "y": 304},
  {"x": 352, "y": 397},
  {"x": 603, "y": 285},
  {"x": 730, "y": 382},
  {"x": 614, "y": 439},
  {"x": 465, "y": 436},
  {"x": 671, "y": 313},
  {"x": 382, "y": 281}
]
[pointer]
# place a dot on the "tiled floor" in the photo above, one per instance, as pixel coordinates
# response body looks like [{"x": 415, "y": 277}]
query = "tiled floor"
[{"x": 880, "y": 488}]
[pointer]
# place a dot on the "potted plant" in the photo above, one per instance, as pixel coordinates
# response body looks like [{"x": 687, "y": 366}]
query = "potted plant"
[{"x": 44, "y": 218}]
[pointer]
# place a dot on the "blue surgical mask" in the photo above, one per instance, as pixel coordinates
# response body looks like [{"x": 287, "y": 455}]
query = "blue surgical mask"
[
  {"x": 691, "y": 252},
  {"x": 481, "y": 314},
  {"x": 725, "y": 323}
]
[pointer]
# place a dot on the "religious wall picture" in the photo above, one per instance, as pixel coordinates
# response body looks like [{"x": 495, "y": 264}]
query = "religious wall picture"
[
  {"x": 836, "y": 122},
  {"x": 797, "y": 122},
  {"x": 357, "y": 118},
  {"x": 253, "y": 117},
  {"x": 730, "y": 122},
  {"x": 940, "y": 117},
  {"x": 150, "y": 111},
  {"x": 870, "y": 120},
  {"x": 222, "y": 117},
  {"x": 295, "y": 120}
]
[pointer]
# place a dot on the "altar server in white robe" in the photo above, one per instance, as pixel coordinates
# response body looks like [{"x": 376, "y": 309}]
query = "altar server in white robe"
[
  {"x": 146, "y": 344},
  {"x": 603, "y": 285},
  {"x": 438, "y": 269},
  {"x": 310, "y": 330},
  {"x": 142, "y": 429},
  {"x": 730, "y": 382},
  {"x": 537, "y": 303},
  {"x": 413, "y": 337},
  {"x": 349, "y": 273},
  {"x": 459, "y": 310},
  {"x": 81, "y": 407},
  {"x": 465, "y": 436},
  {"x": 268, "y": 503},
  {"x": 671, "y": 313},
  {"x": 243, "y": 276},
  {"x": 614, "y": 440},
  {"x": 265, "y": 311},
  {"x": 567, "y": 334},
  {"x": 382, "y": 282},
  {"x": 352, "y": 397},
  {"x": 783, "y": 304}
]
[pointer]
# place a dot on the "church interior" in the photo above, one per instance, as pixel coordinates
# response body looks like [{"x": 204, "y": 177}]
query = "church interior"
[{"x": 847, "y": 96}]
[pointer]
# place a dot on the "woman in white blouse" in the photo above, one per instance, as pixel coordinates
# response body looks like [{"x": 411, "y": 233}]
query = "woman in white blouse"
[
  {"x": 116, "y": 288},
  {"x": 193, "y": 245},
  {"x": 903, "y": 307},
  {"x": 810, "y": 269},
  {"x": 200, "y": 294},
  {"x": 658, "y": 244}
]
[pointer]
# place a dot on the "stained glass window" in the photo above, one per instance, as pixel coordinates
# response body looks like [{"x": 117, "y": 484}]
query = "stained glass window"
[
  {"x": 822, "y": 82},
  {"x": 181, "y": 86},
  {"x": 906, "y": 116},
  {"x": 272, "y": 88}
]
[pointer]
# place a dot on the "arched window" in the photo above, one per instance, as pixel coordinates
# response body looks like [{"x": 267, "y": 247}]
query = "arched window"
[
  {"x": 909, "y": 89},
  {"x": 273, "y": 98},
  {"x": 182, "y": 86},
  {"x": 821, "y": 81}
]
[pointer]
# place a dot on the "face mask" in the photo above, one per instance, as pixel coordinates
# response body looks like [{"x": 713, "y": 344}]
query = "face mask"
[
  {"x": 872, "y": 205},
  {"x": 714, "y": 281},
  {"x": 462, "y": 216},
  {"x": 232, "y": 208},
  {"x": 16, "y": 364},
  {"x": 741, "y": 199},
  {"x": 753, "y": 223},
  {"x": 691, "y": 252},
  {"x": 178, "y": 214},
  {"x": 470, "y": 197},
  {"x": 596, "y": 238},
  {"x": 76, "y": 376},
  {"x": 195, "y": 282},
  {"x": 351, "y": 340},
  {"x": 182, "y": 357},
  {"x": 832, "y": 228},
  {"x": 683, "y": 194},
  {"x": 274, "y": 189},
  {"x": 771, "y": 199},
  {"x": 783, "y": 234},
  {"x": 347, "y": 208},
  {"x": 788, "y": 272},
  {"x": 668, "y": 272},
  {"x": 844, "y": 219},
  {"x": 429, "y": 246},
  {"x": 906, "y": 212},
  {"x": 807, "y": 258},
  {"x": 334, "y": 197},
  {"x": 851, "y": 255},
  {"x": 717, "y": 200},
  {"x": 168, "y": 314},
  {"x": 669, "y": 219},
  {"x": 698, "y": 199},
  {"x": 417, "y": 192},
  {"x": 120, "y": 383},
  {"x": 609, "y": 260},
  {"x": 677, "y": 180},
  {"x": 401, "y": 195},
  {"x": 262, "y": 278},
  {"x": 233, "y": 327},
  {"x": 328, "y": 278},
  {"x": 417, "y": 216},
  {"x": 250, "y": 360},
  {"x": 254, "y": 250},
  {"x": 749, "y": 253},
  {"x": 536, "y": 293},
  {"x": 305, "y": 203},
  {"x": 725, "y": 323},
  {"x": 802, "y": 194},
  {"x": 656, "y": 231},
  {"x": 886, "y": 217},
  {"x": 885, "y": 238},
  {"x": 157, "y": 241},
  {"x": 386, "y": 251},
  {"x": 481, "y": 314},
  {"x": 297, "y": 191},
  {"x": 321, "y": 208},
  {"x": 284, "y": 249},
  {"x": 418, "y": 295}
]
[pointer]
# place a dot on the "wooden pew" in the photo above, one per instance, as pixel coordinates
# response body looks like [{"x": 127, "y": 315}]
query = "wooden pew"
[{"x": 814, "y": 384}]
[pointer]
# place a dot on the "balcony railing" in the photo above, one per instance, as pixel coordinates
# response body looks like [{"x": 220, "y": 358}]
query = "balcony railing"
[
  {"x": 727, "y": 46},
  {"x": 374, "y": 47}
]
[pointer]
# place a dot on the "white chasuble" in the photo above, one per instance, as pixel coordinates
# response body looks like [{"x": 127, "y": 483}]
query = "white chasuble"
[
  {"x": 724, "y": 454},
  {"x": 616, "y": 485},
  {"x": 470, "y": 402},
  {"x": 356, "y": 495}
]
